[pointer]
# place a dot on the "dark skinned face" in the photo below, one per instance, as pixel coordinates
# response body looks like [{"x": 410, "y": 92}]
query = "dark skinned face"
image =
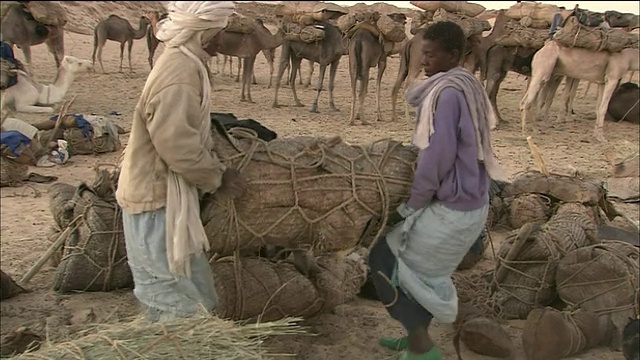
[
  {"x": 435, "y": 59},
  {"x": 214, "y": 44}
]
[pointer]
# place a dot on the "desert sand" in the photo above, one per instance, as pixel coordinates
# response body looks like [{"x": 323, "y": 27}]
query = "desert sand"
[{"x": 351, "y": 330}]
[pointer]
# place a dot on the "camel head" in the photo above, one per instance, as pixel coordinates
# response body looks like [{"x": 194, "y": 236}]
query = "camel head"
[
  {"x": 398, "y": 17},
  {"x": 588, "y": 18},
  {"x": 75, "y": 65},
  {"x": 617, "y": 19}
]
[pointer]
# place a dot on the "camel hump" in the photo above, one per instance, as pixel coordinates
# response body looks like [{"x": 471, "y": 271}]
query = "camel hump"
[{"x": 47, "y": 12}]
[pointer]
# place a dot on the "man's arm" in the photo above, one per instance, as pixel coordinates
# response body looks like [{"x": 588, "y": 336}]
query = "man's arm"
[
  {"x": 438, "y": 158},
  {"x": 174, "y": 126}
]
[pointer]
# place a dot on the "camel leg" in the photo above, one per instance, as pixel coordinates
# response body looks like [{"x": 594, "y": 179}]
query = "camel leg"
[
  {"x": 121, "y": 55},
  {"x": 129, "y": 46},
  {"x": 34, "y": 109},
  {"x": 382, "y": 65},
  {"x": 314, "y": 106},
  {"x": 545, "y": 98},
  {"x": 309, "y": 73},
  {"x": 354, "y": 83},
  {"x": 570, "y": 91},
  {"x": 284, "y": 63},
  {"x": 542, "y": 67},
  {"x": 605, "y": 92},
  {"x": 586, "y": 91},
  {"x": 333, "y": 70},
  {"x": 26, "y": 51},
  {"x": 56, "y": 48},
  {"x": 100, "y": 57},
  {"x": 249, "y": 64},
  {"x": 493, "y": 82},
  {"x": 295, "y": 65},
  {"x": 239, "y": 68},
  {"x": 403, "y": 71},
  {"x": 269, "y": 56}
]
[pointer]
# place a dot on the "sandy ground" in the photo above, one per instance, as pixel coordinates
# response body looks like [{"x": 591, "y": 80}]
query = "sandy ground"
[{"x": 351, "y": 331}]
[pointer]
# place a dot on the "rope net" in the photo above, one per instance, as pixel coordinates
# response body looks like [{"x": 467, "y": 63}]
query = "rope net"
[
  {"x": 306, "y": 193},
  {"x": 575, "y": 35}
]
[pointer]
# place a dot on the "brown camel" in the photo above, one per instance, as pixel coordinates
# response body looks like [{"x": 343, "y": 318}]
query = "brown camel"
[
  {"x": 117, "y": 29},
  {"x": 365, "y": 52},
  {"x": 247, "y": 47},
  {"x": 269, "y": 55},
  {"x": 602, "y": 68},
  {"x": 152, "y": 41},
  {"x": 21, "y": 29},
  {"x": 326, "y": 52}
]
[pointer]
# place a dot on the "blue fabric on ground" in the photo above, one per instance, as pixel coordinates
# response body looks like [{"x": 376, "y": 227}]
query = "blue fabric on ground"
[
  {"x": 13, "y": 139},
  {"x": 81, "y": 123}
]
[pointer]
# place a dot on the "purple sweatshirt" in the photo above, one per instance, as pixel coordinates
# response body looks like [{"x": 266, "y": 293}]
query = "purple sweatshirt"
[{"x": 448, "y": 169}]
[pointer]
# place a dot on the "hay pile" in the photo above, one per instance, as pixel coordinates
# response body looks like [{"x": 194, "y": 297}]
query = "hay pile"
[
  {"x": 550, "y": 334},
  {"x": 553, "y": 215},
  {"x": 517, "y": 34},
  {"x": 481, "y": 334},
  {"x": 94, "y": 255},
  {"x": 306, "y": 192},
  {"x": 241, "y": 24},
  {"x": 470, "y": 26},
  {"x": 534, "y": 12},
  {"x": 604, "y": 280},
  {"x": 379, "y": 25},
  {"x": 461, "y": 12},
  {"x": 307, "y": 26},
  {"x": 205, "y": 337},
  {"x": 258, "y": 289},
  {"x": 573, "y": 34},
  {"x": 102, "y": 137},
  {"x": 356, "y": 185}
]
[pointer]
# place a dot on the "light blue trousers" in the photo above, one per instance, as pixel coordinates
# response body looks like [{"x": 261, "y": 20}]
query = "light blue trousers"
[{"x": 163, "y": 295}]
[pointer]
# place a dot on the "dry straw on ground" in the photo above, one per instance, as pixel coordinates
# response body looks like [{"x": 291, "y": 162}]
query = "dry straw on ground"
[{"x": 205, "y": 337}]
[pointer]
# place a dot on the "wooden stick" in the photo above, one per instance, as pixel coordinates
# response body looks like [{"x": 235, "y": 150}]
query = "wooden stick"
[
  {"x": 47, "y": 255},
  {"x": 537, "y": 158},
  {"x": 63, "y": 110}
]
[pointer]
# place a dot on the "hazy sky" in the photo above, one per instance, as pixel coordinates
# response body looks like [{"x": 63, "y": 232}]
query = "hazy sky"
[{"x": 600, "y": 6}]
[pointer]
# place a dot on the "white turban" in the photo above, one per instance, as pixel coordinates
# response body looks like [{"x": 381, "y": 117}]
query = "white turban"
[{"x": 187, "y": 18}]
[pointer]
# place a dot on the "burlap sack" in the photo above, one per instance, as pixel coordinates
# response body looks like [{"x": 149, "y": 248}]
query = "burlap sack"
[{"x": 461, "y": 7}]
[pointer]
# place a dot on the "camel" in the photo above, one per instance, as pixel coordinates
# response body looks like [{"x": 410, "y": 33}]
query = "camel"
[
  {"x": 30, "y": 96},
  {"x": 329, "y": 51},
  {"x": 247, "y": 47},
  {"x": 365, "y": 52},
  {"x": 152, "y": 41},
  {"x": 269, "y": 55},
  {"x": 602, "y": 68},
  {"x": 21, "y": 29},
  {"x": 117, "y": 29}
]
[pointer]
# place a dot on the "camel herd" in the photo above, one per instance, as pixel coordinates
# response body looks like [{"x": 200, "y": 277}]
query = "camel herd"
[{"x": 545, "y": 68}]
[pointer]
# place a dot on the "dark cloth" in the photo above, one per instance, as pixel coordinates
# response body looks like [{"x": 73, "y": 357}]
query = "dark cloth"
[
  {"x": 405, "y": 310},
  {"x": 6, "y": 53}
]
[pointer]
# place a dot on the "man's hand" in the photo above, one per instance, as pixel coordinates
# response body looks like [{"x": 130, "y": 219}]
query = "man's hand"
[{"x": 233, "y": 184}]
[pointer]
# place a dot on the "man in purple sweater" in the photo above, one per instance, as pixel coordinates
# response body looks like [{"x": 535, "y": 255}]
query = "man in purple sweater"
[{"x": 447, "y": 209}]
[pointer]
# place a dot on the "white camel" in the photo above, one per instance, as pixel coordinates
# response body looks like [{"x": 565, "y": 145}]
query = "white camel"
[
  {"x": 601, "y": 67},
  {"x": 30, "y": 96}
]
